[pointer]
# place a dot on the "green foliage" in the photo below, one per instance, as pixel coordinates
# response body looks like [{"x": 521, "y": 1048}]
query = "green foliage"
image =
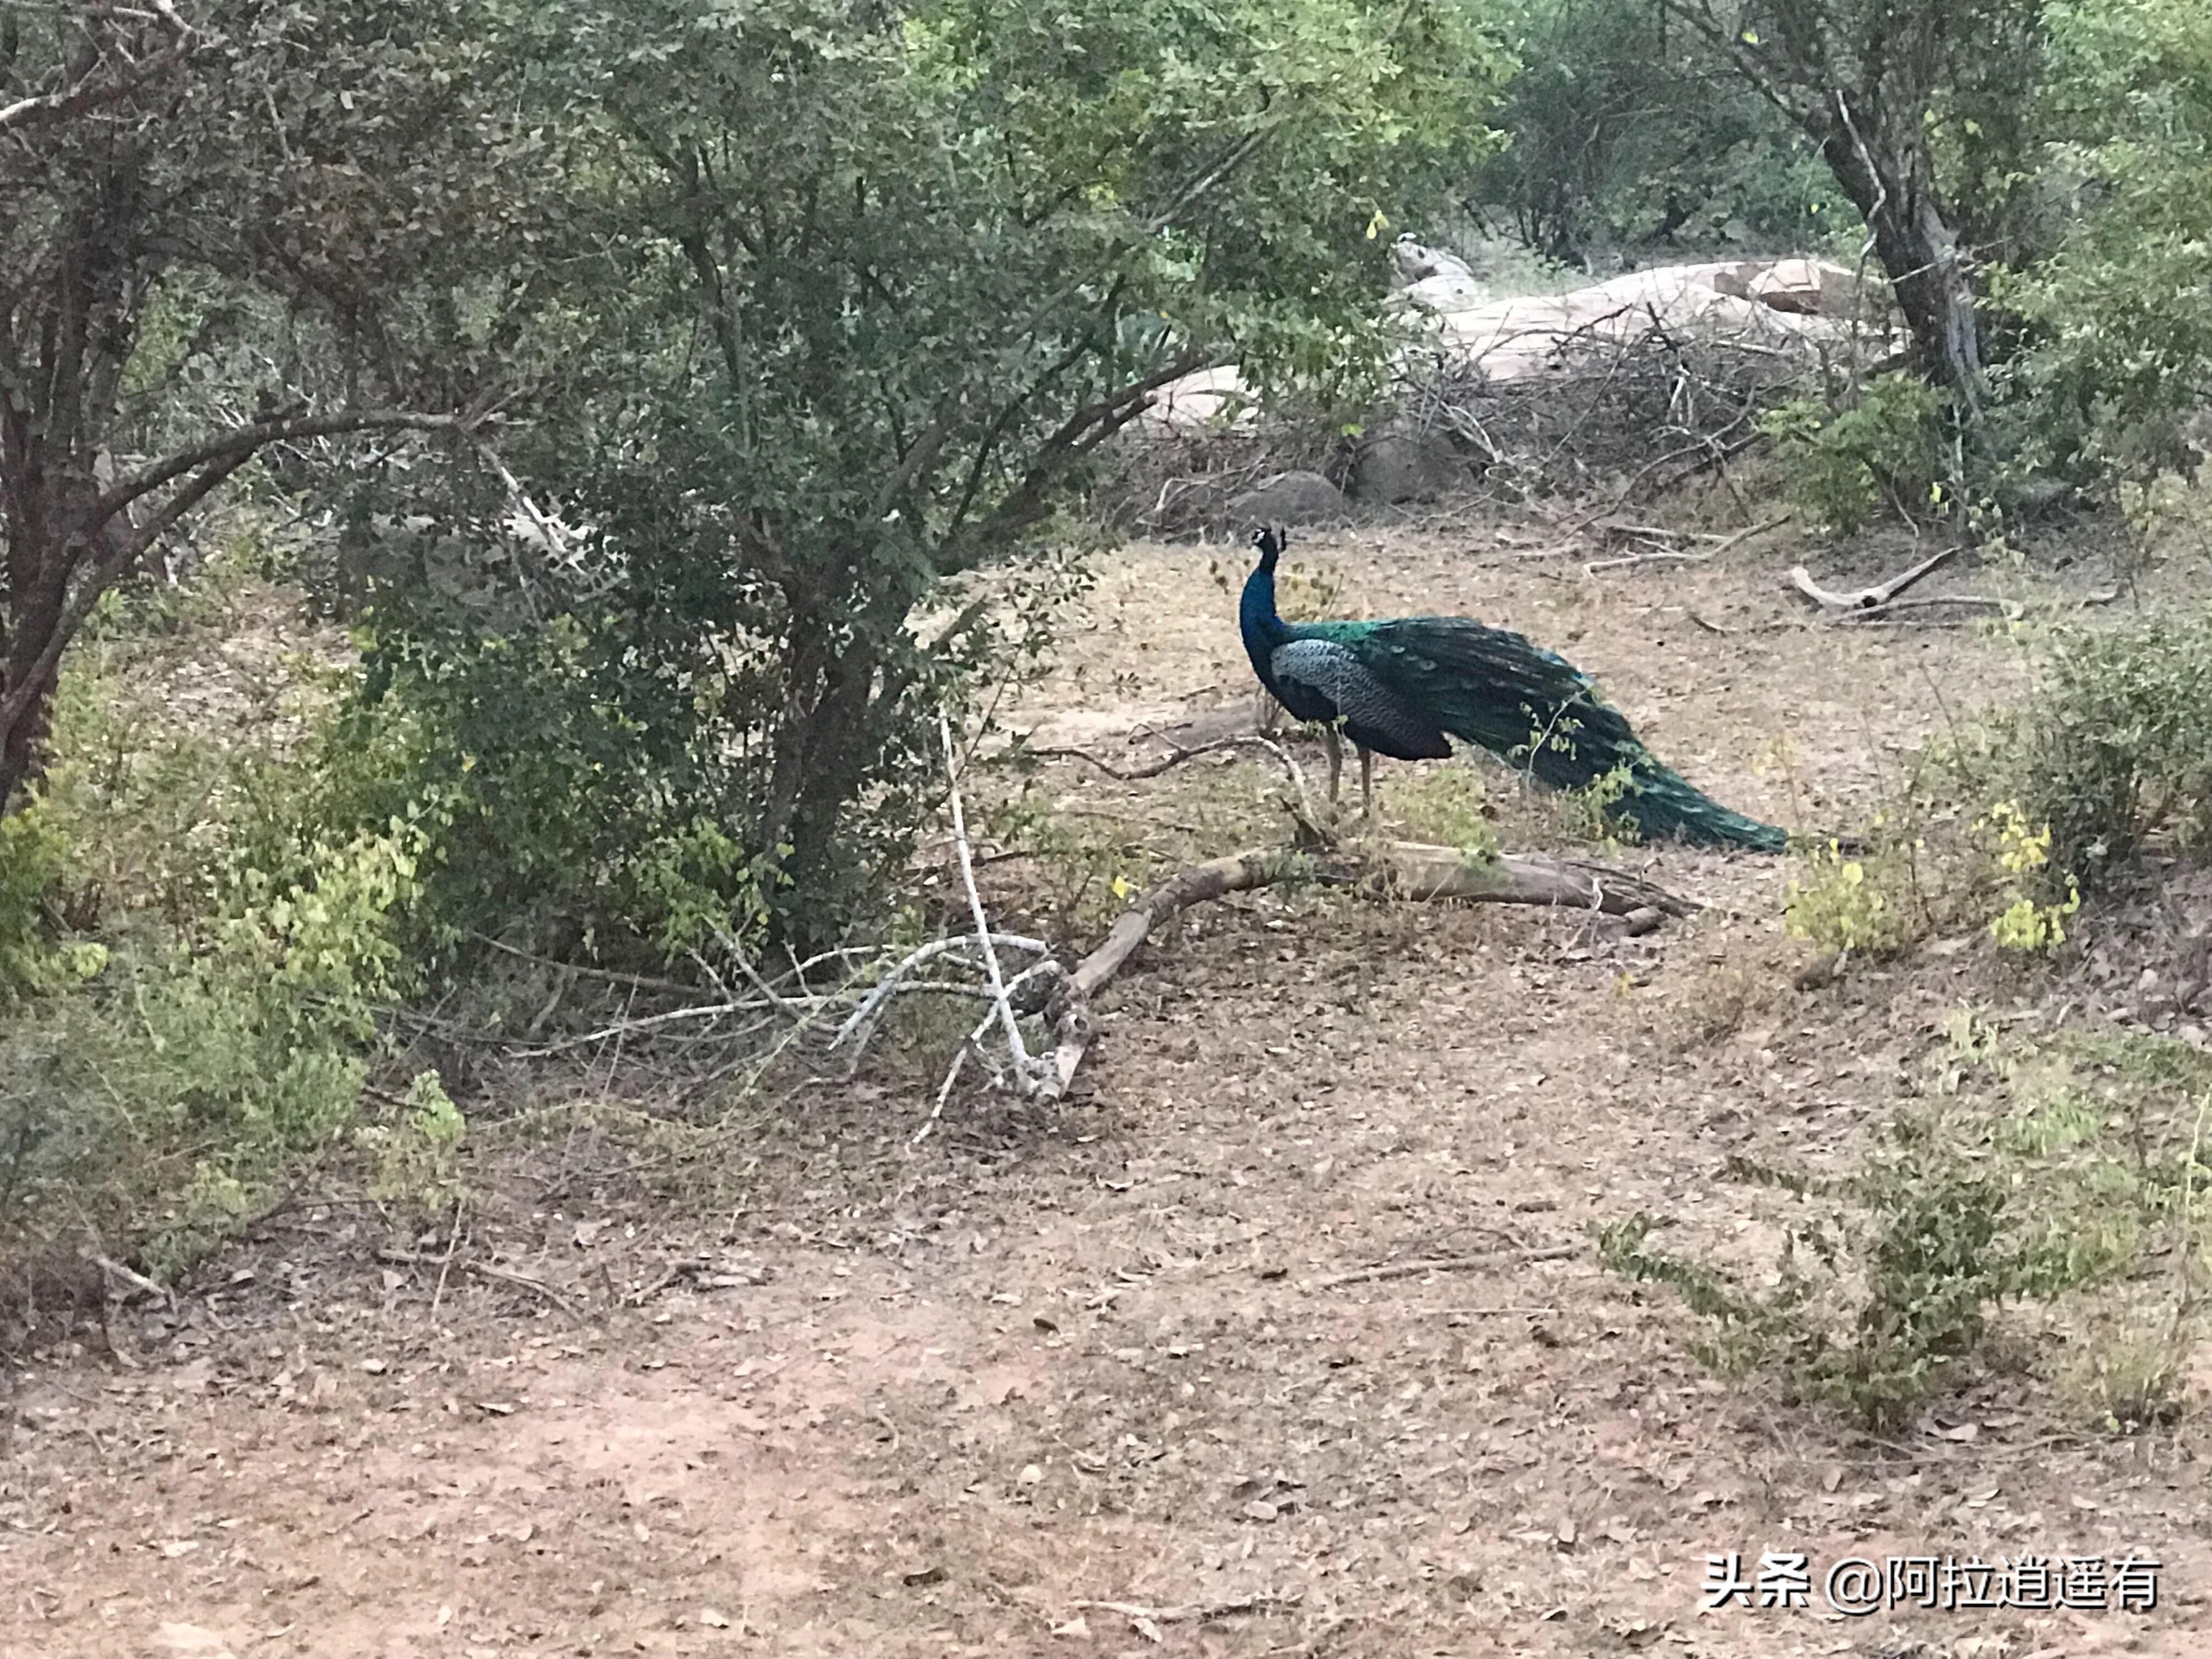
[
  {"x": 1842, "y": 466},
  {"x": 547, "y": 810},
  {"x": 1626, "y": 133},
  {"x": 34, "y": 856},
  {"x": 1448, "y": 806},
  {"x": 1869, "y": 905},
  {"x": 1880, "y": 1299},
  {"x": 227, "y": 964},
  {"x": 417, "y": 1159},
  {"x": 2023, "y": 855},
  {"x": 2114, "y": 748},
  {"x": 873, "y": 288},
  {"x": 2068, "y": 1173},
  {"x": 1085, "y": 874},
  {"x": 1593, "y": 813},
  {"x": 2121, "y": 317}
]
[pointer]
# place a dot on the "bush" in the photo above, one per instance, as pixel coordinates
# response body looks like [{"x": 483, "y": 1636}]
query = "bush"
[
  {"x": 1880, "y": 1297},
  {"x": 34, "y": 858},
  {"x": 2115, "y": 748},
  {"x": 1449, "y": 807},
  {"x": 418, "y": 1157},
  {"x": 2120, "y": 320},
  {"x": 2068, "y": 1173},
  {"x": 1842, "y": 464},
  {"x": 206, "y": 968}
]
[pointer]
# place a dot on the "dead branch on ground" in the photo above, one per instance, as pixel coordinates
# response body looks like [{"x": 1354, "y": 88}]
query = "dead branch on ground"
[
  {"x": 1405, "y": 870},
  {"x": 1868, "y": 598},
  {"x": 747, "y": 1016},
  {"x": 1450, "y": 1264}
]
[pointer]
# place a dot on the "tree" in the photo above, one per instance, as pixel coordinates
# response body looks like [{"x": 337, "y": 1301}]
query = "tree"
[
  {"x": 1627, "y": 133},
  {"x": 851, "y": 298},
  {"x": 169, "y": 177},
  {"x": 1881, "y": 87},
  {"x": 2121, "y": 356}
]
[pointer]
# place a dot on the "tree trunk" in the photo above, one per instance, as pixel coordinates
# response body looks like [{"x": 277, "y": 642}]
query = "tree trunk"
[
  {"x": 1882, "y": 162},
  {"x": 33, "y": 600},
  {"x": 827, "y": 745}
]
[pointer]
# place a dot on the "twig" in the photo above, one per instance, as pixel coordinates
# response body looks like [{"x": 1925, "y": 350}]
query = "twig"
[
  {"x": 862, "y": 1017},
  {"x": 1970, "y": 601},
  {"x": 1017, "y": 1052},
  {"x": 1449, "y": 1264},
  {"x": 446, "y": 1265},
  {"x": 136, "y": 1280},
  {"x": 645, "y": 1023},
  {"x": 507, "y": 1275},
  {"x": 1191, "y": 1612},
  {"x": 1176, "y": 756},
  {"x": 1482, "y": 1313},
  {"x": 944, "y": 1089},
  {"x": 638, "y": 982},
  {"x": 1722, "y": 546},
  {"x": 1398, "y": 869}
]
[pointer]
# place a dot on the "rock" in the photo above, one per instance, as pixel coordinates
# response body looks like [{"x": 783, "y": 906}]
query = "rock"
[
  {"x": 1735, "y": 280},
  {"x": 1447, "y": 291},
  {"x": 1417, "y": 262},
  {"x": 1291, "y": 498},
  {"x": 1806, "y": 287},
  {"x": 1210, "y": 400},
  {"x": 1403, "y": 464}
]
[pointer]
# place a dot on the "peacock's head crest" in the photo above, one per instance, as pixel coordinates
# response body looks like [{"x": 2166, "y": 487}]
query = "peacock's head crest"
[{"x": 1271, "y": 541}]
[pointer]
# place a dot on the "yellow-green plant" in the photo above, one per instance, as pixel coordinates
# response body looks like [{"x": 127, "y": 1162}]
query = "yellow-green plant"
[
  {"x": 1845, "y": 904},
  {"x": 1450, "y": 807},
  {"x": 2022, "y": 852},
  {"x": 418, "y": 1158}
]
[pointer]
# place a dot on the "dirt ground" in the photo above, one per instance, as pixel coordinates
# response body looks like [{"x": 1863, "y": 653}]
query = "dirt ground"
[{"x": 1123, "y": 1376}]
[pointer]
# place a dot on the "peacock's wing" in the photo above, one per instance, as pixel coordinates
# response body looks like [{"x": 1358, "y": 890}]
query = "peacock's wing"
[
  {"x": 1538, "y": 712},
  {"x": 1327, "y": 675},
  {"x": 1494, "y": 688}
]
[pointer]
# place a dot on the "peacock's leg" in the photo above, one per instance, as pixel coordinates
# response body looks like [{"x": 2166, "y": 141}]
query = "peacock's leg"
[
  {"x": 1367, "y": 782},
  {"x": 1335, "y": 761}
]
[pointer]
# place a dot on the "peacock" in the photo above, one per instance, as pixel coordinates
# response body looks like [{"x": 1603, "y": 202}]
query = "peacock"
[{"x": 1405, "y": 688}]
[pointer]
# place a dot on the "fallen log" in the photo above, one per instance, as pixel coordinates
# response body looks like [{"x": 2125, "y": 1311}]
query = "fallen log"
[{"x": 1403, "y": 870}]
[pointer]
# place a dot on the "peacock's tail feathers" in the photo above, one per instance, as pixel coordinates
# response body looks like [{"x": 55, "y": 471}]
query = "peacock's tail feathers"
[{"x": 1538, "y": 712}]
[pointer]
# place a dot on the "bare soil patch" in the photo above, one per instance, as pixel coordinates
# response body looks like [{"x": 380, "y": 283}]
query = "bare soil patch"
[{"x": 1155, "y": 1369}]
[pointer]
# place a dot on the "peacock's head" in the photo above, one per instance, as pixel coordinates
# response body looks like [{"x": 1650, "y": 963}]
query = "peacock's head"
[{"x": 1271, "y": 544}]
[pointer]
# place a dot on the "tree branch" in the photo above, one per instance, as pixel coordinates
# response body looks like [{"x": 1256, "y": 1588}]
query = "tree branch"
[
  {"x": 80, "y": 97},
  {"x": 240, "y": 442}
]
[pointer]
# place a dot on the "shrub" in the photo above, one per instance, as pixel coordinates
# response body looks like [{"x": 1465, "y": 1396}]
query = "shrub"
[
  {"x": 196, "y": 967},
  {"x": 2116, "y": 747},
  {"x": 1880, "y": 1299},
  {"x": 1841, "y": 465},
  {"x": 418, "y": 1157},
  {"x": 1449, "y": 807},
  {"x": 2066, "y": 1172},
  {"x": 2023, "y": 855},
  {"x": 33, "y": 860}
]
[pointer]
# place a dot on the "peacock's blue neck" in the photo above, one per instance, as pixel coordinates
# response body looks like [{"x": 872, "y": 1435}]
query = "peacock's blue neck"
[{"x": 1257, "y": 621}]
